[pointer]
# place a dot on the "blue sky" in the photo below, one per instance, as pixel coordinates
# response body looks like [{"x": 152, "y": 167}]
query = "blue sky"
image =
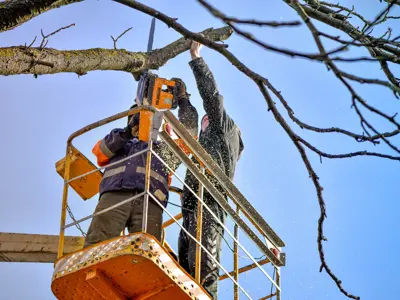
[{"x": 38, "y": 115}]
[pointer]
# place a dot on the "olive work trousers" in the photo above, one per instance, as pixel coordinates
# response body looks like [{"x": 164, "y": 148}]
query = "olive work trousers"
[{"x": 111, "y": 223}]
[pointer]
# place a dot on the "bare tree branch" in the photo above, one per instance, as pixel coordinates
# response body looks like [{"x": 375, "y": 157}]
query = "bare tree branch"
[
  {"x": 324, "y": 15},
  {"x": 337, "y": 72},
  {"x": 287, "y": 52},
  {"x": 352, "y": 43},
  {"x": 321, "y": 236},
  {"x": 347, "y": 155},
  {"x": 228, "y": 19},
  {"x": 45, "y": 37},
  {"x": 82, "y": 61},
  {"x": 262, "y": 23},
  {"x": 380, "y": 18},
  {"x": 364, "y": 121},
  {"x": 314, "y": 32},
  {"x": 397, "y": 2},
  {"x": 342, "y": 8},
  {"x": 116, "y": 40},
  {"x": 31, "y": 44},
  {"x": 16, "y": 12},
  {"x": 323, "y": 55},
  {"x": 302, "y": 125},
  {"x": 217, "y": 13},
  {"x": 260, "y": 81},
  {"x": 395, "y": 89}
]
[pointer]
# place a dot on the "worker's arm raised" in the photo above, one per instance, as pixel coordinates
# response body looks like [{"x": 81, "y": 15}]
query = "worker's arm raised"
[
  {"x": 106, "y": 148},
  {"x": 213, "y": 101}
]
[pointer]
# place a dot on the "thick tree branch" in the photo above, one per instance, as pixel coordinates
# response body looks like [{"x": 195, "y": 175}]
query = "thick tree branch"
[
  {"x": 343, "y": 8},
  {"x": 16, "y": 12},
  {"x": 393, "y": 1},
  {"x": 20, "y": 60},
  {"x": 325, "y": 15}
]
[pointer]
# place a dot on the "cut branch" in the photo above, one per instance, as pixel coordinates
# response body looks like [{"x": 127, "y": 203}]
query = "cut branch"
[{"x": 82, "y": 61}]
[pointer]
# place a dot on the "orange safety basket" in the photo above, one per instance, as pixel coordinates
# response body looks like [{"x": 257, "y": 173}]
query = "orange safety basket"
[{"x": 135, "y": 266}]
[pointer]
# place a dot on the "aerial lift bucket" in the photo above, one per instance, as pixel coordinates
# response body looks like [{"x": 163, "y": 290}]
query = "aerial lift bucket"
[
  {"x": 138, "y": 266},
  {"x": 134, "y": 266}
]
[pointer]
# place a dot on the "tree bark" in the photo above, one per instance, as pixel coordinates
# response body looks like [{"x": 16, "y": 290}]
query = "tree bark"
[
  {"x": 24, "y": 60},
  {"x": 16, "y": 12},
  {"x": 395, "y": 1},
  {"x": 324, "y": 15}
]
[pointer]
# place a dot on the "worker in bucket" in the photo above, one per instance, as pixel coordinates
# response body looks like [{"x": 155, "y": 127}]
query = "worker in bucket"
[
  {"x": 221, "y": 138},
  {"x": 126, "y": 179}
]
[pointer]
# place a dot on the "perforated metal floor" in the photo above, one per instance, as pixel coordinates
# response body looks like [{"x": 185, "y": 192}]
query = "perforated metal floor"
[{"x": 136, "y": 266}]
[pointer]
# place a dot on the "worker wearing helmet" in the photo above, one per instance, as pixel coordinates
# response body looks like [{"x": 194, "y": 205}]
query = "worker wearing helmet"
[
  {"x": 126, "y": 179},
  {"x": 221, "y": 138}
]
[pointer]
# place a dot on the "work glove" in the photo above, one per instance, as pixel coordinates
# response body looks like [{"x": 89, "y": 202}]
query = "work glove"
[
  {"x": 180, "y": 92},
  {"x": 133, "y": 125}
]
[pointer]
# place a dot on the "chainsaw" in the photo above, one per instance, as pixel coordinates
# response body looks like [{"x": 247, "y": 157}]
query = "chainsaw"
[{"x": 157, "y": 92}]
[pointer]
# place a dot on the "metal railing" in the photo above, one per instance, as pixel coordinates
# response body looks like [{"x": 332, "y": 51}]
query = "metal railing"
[{"x": 242, "y": 205}]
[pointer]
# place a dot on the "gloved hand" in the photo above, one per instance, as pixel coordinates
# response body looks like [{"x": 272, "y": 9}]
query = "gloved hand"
[
  {"x": 180, "y": 88},
  {"x": 180, "y": 92},
  {"x": 133, "y": 125},
  {"x": 132, "y": 131}
]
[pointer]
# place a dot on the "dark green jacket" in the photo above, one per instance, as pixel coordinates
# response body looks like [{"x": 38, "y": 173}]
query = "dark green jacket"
[{"x": 222, "y": 138}]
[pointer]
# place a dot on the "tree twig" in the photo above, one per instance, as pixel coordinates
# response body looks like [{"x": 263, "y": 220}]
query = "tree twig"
[
  {"x": 46, "y": 37},
  {"x": 347, "y": 155},
  {"x": 229, "y": 19},
  {"x": 31, "y": 44},
  {"x": 116, "y": 40}
]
